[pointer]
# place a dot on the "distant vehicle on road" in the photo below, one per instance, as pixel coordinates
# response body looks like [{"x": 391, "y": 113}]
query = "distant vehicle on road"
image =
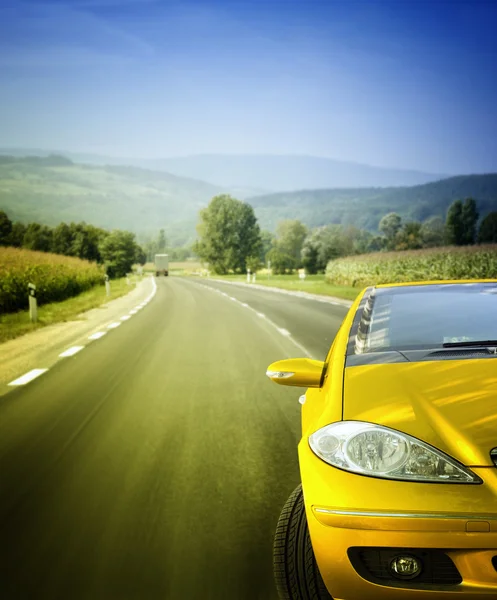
[
  {"x": 161, "y": 262},
  {"x": 398, "y": 456}
]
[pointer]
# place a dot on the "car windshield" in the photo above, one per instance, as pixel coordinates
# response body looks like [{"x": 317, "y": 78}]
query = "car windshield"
[{"x": 427, "y": 316}]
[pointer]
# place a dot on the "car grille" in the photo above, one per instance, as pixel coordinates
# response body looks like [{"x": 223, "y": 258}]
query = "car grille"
[{"x": 373, "y": 565}]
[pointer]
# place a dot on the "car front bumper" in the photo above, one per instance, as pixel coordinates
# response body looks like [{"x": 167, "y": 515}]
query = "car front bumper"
[{"x": 347, "y": 511}]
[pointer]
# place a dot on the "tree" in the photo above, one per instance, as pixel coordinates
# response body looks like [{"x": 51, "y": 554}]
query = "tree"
[
  {"x": 5, "y": 229},
  {"x": 37, "y": 237},
  {"x": 16, "y": 237},
  {"x": 454, "y": 225},
  {"x": 487, "y": 234},
  {"x": 281, "y": 263},
  {"x": 390, "y": 225},
  {"x": 119, "y": 252},
  {"x": 62, "y": 239},
  {"x": 290, "y": 236},
  {"x": 320, "y": 246},
  {"x": 469, "y": 218},
  {"x": 267, "y": 240},
  {"x": 409, "y": 237},
  {"x": 433, "y": 232},
  {"x": 228, "y": 235}
]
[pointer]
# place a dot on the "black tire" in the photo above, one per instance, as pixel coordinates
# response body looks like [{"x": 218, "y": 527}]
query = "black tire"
[{"x": 295, "y": 569}]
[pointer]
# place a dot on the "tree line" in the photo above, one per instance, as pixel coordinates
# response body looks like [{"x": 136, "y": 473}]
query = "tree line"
[
  {"x": 230, "y": 239},
  {"x": 117, "y": 250}
]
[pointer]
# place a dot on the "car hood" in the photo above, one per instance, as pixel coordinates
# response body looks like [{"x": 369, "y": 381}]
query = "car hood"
[{"x": 451, "y": 404}]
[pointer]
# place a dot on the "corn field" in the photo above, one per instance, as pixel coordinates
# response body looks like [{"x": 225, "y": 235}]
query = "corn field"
[
  {"x": 453, "y": 262},
  {"x": 56, "y": 277}
]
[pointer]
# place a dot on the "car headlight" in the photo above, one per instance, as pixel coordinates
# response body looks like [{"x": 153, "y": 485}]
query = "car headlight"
[{"x": 379, "y": 451}]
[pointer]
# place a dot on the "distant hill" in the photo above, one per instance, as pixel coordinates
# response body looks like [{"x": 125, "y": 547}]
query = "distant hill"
[
  {"x": 255, "y": 174},
  {"x": 53, "y": 189},
  {"x": 365, "y": 207}
]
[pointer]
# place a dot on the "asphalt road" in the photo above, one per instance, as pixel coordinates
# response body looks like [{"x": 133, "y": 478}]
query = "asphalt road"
[{"x": 154, "y": 463}]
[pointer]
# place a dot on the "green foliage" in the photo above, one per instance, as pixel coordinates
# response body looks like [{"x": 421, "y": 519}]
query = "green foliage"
[
  {"x": 469, "y": 219},
  {"x": 290, "y": 236},
  {"x": 37, "y": 237},
  {"x": 56, "y": 277},
  {"x": 281, "y": 263},
  {"x": 487, "y": 233},
  {"x": 119, "y": 252},
  {"x": 365, "y": 207},
  {"x": 454, "y": 225},
  {"x": 433, "y": 232},
  {"x": 463, "y": 262},
  {"x": 228, "y": 235},
  {"x": 390, "y": 225},
  {"x": 127, "y": 198},
  {"x": 409, "y": 237},
  {"x": 5, "y": 229},
  {"x": 267, "y": 239}
]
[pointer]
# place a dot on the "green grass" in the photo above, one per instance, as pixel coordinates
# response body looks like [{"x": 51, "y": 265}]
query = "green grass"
[
  {"x": 13, "y": 325},
  {"x": 312, "y": 284}
]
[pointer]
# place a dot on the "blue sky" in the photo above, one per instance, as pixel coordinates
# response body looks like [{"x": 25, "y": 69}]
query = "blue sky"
[{"x": 389, "y": 83}]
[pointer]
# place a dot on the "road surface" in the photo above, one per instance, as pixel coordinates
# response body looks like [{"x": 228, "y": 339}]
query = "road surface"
[{"x": 153, "y": 464}]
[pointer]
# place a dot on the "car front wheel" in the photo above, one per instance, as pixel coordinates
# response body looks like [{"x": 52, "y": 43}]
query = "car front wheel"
[{"x": 295, "y": 569}]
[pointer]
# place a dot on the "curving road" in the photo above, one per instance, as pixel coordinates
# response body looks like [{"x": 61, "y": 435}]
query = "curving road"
[{"x": 153, "y": 464}]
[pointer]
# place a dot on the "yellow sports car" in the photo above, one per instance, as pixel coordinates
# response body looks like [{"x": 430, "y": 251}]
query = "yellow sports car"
[{"x": 398, "y": 456}]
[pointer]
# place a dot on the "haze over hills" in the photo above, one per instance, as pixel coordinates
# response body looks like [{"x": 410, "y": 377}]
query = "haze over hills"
[
  {"x": 254, "y": 174},
  {"x": 54, "y": 189},
  {"x": 365, "y": 207}
]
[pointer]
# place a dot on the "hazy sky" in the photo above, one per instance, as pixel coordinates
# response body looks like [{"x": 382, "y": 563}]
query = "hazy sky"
[{"x": 391, "y": 83}]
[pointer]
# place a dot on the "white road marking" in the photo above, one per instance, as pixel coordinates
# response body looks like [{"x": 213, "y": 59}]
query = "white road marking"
[
  {"x": 125, "y": 318},
  {"x": 27, "y": 377},
  {"x": 71, "y": 351},
  {"x": 113, "y": 325},
  {"x": 231, "y": 298},
  {"x": 97, "y": 336},
  {"x": 281, "y": 330},
  {"x": 133, "y": 312},
  {"x": 244, "y": 304}
]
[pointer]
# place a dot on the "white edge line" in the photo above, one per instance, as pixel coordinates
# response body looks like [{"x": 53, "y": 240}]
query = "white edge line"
[
  {"x": 282, "y": 331},
  {"x": 71, "y": 351},
  {"x": 125, "y": 317},
  {"x": 27, "y": 377},
  {"x": 113, "y": 325}
]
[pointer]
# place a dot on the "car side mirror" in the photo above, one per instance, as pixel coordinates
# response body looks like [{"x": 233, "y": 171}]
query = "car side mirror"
[{"x": 299, "y": 372}]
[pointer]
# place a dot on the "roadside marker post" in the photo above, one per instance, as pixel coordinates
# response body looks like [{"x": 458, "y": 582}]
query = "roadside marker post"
[
  {"x": 253, "y": 278},
  {"x": 248, "y": 275},
  {"x": 33, "y": 304},
  {"x": 128, "y": 282},
  {"x": 268, "y": 268},
  {"x": 107, "y": 285}
]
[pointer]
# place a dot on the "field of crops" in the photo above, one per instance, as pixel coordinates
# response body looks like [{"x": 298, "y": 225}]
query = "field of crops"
[
  {"x": 461, "y": 262},
  {"x": 56, "y": 277}
]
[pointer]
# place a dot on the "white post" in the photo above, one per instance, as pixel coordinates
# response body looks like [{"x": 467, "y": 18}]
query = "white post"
[
  {"x": 107, "y": 285},
  {"x": 33, "y": 304},
  {"x": 248, "y": 275},
  {"x": 268, "y": 268},
  {"x": 253, "y": 278}
]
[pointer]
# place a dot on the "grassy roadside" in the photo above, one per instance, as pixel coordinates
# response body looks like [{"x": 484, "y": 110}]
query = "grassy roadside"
[
  {"x": 312, "y": 284},
  {"x": 13, "y": 325}
]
